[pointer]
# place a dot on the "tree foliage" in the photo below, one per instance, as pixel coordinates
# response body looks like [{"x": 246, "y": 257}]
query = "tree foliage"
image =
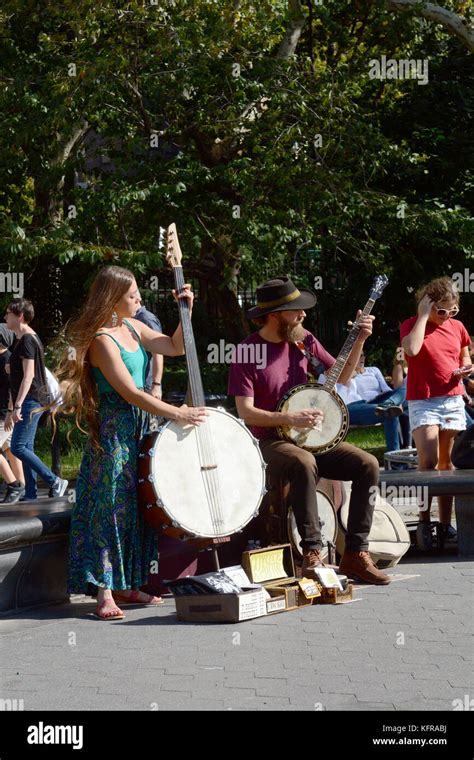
[{"x": 255, "y": 126}]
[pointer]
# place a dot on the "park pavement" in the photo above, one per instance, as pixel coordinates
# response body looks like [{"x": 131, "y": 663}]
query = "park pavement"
[{"x": 406, "y": 646}]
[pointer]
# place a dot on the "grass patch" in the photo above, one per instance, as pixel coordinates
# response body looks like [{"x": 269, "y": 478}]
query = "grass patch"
[
  {"x": 371, "y": 439},
  {"x": 71, "y": 450}
]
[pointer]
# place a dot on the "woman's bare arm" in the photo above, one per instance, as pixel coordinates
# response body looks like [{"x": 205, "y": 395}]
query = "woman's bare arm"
[{"x": 105, "y": 355}]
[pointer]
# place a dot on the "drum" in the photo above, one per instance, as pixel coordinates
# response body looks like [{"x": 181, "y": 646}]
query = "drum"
[
  {"x": 201, "y": 482},
  {"x": 327, "y": 520}
]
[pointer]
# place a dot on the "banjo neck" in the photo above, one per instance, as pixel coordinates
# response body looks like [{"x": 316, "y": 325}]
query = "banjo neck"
[
  {"x": 196, "y": 389},
  {"x": 174, "y": 257},
  {"x": 333, "y": 375},
  {"x": 336, "y": 417}
]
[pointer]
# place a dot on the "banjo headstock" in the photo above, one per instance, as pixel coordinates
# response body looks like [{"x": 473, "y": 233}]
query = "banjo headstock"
[
  {"x": 173, "y": 249},
  {"x": 378, "y": 286}
]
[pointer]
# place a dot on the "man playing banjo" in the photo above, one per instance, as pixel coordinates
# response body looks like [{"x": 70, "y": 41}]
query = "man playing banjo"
[{"x": 258, "y": 389}]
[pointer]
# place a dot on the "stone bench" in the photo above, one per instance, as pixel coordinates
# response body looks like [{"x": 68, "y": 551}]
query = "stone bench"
[
  {"x": 457, "y": 483},
  {"x": 34, "y": 538}
]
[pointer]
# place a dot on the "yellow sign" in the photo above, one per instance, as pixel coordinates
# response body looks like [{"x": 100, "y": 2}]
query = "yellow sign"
[{"x": 267, "y": 566}]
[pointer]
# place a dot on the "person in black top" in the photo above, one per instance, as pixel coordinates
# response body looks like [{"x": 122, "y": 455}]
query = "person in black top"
[
  {"x": 11, "y": 468},
  {"x": 28, "y": 388}
]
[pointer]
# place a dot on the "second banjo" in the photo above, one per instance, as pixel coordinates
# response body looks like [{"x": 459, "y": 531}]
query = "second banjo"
[{"x": 314, "y": 396}]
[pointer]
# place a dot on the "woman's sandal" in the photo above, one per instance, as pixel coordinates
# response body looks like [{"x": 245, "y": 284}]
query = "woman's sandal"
[
  {"x": 113, "y": 613},
  {"x": 133, "y": 598}
]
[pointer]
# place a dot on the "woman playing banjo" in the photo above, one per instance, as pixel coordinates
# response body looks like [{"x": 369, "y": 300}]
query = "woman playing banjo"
[{"x": 110, "y": 546}]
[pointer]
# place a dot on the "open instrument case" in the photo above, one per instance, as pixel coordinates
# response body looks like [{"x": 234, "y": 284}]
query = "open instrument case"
[{"x": 273, "y": 567}]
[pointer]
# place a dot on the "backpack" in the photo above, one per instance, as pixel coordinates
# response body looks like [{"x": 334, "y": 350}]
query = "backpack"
[
  {"x": 51, "y": 384},
  {"x": 54, "y": 391},
  {"x": 389, "y": 539},
  {"x": 462, "y": 455}
]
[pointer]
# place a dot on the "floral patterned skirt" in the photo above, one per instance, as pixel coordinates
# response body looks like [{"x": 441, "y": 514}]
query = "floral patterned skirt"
[{"x": 110, "y": 545}]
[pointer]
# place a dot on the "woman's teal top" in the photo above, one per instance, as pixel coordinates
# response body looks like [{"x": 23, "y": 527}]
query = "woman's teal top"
[{"x": 135, "y": 362}]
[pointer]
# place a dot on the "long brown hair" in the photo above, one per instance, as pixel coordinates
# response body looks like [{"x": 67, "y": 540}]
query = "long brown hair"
[{"x": 78, "y": 387}]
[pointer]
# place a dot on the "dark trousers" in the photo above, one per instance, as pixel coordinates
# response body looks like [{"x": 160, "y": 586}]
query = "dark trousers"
[{"x": 302, "y": 470}]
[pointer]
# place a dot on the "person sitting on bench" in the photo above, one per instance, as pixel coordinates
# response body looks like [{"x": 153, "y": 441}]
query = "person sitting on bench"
[
  {"x": 365, "y": 394},
  {"x": 280, "y": 312}
]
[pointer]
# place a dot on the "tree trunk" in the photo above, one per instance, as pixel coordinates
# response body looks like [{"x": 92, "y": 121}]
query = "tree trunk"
[
  {"x": 43, "y": 288},
  {"x": 293, "y": 33},
  {"x": 455, "y": 25},
  {"x": 217, "y": 268}
]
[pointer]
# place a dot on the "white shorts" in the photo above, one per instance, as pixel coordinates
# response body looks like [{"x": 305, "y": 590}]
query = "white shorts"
[
  {"x": 449, "y": 412},
  {"x": 5, "y": 438}
]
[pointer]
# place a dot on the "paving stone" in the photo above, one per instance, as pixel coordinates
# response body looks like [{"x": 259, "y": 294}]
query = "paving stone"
[
  {"x": 342, "y": 657},
  {"x": 422, "y": 704},
  {"x": 257, "y": 703},
  {"x": 310, "y": 699}
]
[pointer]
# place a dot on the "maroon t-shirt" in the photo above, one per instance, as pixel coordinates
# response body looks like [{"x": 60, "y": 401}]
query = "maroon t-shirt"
[{"x": 266, "y": 371}]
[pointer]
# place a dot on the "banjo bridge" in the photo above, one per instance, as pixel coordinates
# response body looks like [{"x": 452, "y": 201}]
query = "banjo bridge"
[{"x": 209, "y": 467}]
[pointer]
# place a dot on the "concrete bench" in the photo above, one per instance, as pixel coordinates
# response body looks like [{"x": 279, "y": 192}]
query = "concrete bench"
[
  {"x": 457, "y": 483},
  {"x": 34, "y": 538}
]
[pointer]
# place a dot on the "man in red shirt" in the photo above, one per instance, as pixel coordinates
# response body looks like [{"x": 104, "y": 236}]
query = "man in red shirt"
[{"x": 258, "y": 387}]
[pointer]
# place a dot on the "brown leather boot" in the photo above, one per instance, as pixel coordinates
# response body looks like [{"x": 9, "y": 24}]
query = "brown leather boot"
[
  {"x": 311, "y": 560},
  {"x": 359, "y": 566}
]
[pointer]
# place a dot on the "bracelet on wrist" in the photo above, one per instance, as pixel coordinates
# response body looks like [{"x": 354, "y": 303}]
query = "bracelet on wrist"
[{"x": 17, "y": 407}]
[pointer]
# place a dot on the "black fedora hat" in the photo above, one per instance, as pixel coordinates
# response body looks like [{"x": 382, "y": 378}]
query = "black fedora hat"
[{"x": 280, "y": 294}]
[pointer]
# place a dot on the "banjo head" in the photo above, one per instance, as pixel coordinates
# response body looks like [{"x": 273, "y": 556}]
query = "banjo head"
[
  {"x": 334, "y": 426},
  {"x": 209, "y": 480}
]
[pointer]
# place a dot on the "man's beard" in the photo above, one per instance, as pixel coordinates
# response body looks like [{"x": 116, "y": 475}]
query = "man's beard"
[{"x": 290, "y": 333}]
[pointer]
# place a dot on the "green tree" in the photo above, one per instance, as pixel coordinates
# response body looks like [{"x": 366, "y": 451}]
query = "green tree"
[{"x": 256, "y": 127}]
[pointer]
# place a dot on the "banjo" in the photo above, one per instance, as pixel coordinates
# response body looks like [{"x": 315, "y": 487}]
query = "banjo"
[
  {"x": 315, "y": 396},
  {"x": 205, "y": 481}
]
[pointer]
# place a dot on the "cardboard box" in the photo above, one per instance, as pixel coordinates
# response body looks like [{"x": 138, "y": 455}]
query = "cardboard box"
[
  {"x": 276, "y": 603},
  {"x": 273, "y": 567},
  {"x": 310, "y": 588},
  {"x": 335, "y": 595},
  {"x": 221, "y": 608}
]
